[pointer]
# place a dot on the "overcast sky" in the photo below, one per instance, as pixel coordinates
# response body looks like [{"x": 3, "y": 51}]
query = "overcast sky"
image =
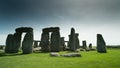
[{"x": 88, "y": 17}]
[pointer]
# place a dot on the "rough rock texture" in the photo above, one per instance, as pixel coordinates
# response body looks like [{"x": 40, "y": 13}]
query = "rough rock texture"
[
  {"x": 55, "y": 42},
  {"x": 9, "y": 43},
  {"x": 77, "y": 41},
  {"x": 13, "y": 42},
  {"x": 62, "y": 44},
  {"x": 72, "y": 40},
  {"x": 27, "y": 43},
  {"x": 17, "y": 42},
  {"x": 52, "y": 44},
  {"x": 45, "y": 42},
  {"x": 101, "y": 45}
]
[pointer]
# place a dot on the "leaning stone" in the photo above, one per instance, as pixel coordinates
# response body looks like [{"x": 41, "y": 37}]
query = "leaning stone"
[
  {"x": 101, "y": 45},
  {"x": 54, "y": 54}
]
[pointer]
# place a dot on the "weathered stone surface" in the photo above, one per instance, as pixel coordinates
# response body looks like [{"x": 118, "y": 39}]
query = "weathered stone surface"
[
  {"x": 101, "y": 45},
  {"x": 24, "y": 29},
  {"x": 77, "y": 41},
  {"x": 45, "y": 42},
  {"x": 13, "y": 42},
  {"x": 71, "y": 55},
  {"x": 9, "y": 43},
  {"x": 72, "y": 40},
  {"x": 62, "y": 44},
  {"x": 16, "y": 42},
  {"x": 54, "y": 54},
  {"x": 52, "y": 44},
  {"x": 27, "y": 43},
  {"x": 51, "y": 29},
  {"x": 55, "y": 42},
  {"x": 84, "y": 44}
]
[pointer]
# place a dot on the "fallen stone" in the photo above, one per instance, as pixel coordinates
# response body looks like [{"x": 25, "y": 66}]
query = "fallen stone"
[
  {"x": 71, "y": 55},
  {"x": 54, "y": 54}
]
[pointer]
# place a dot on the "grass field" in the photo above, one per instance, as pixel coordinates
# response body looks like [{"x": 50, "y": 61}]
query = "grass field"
[{"x": 90, "y": 59}]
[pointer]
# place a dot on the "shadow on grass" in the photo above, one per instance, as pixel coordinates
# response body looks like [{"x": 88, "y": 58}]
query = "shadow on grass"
[{"x": 2, "y": 54}]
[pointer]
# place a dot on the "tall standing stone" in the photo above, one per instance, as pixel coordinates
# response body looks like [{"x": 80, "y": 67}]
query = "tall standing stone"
[
  {"x": 55, "y": 42},
  {"x": 101, "y": 45},
  {"x": 84, "y": 44},
  {"x": 45, "y": 42},
  {"x": 9, "y": 43},
  {"x": 27, "y": 43},
  {"x": 17, "y": 42},
  {"x": 72, "y": 40},
  {"x": 62, "y": 43},
  {"x": 77, "y": 41}
]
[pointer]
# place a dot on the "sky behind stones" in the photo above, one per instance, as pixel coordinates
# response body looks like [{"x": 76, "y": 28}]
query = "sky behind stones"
[{"x": 88, "y": 17}]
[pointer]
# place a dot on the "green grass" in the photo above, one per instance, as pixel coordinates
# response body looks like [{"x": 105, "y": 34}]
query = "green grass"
[{"x": 90, "y": 59}]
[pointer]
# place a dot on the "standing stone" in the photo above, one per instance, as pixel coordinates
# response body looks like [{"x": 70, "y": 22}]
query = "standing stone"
[
  {"x": 90, "y": 46},
  {"x": 101, "y": 45},
  {"x": 55, "y": 42},
  {"x": 77, "y": 41},
  {"x": 27, "y": 43},
  {"x": 35, "y": 44},
  {"x": 17, "y": 42},
  {"x": 9, "y": 43},
  {"x": 84, "y": 44},
  {"x": 45, "y": 42},
  {"x": 72, "y": 40},
  {"x": 62, "y": 43}
]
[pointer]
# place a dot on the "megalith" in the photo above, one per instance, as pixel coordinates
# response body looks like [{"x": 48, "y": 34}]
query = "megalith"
[
  {"x": 45, "y": 42},
  {"x": 51, "y": 43},
  {"x": 84, "y": 44},
  {"x": 55, "y": 42},
  {"x": 77, "y": 41},
  {"x": 13, "y": 41},
  {"x": 9, "y": 43},
  {"x": 62, "y": 44},
  {"x": 17, "y": 42},
  {"x": 27, "y": 43},
  {"x": 101, "y": 45},
  {"x": 72, "y": 40}
]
